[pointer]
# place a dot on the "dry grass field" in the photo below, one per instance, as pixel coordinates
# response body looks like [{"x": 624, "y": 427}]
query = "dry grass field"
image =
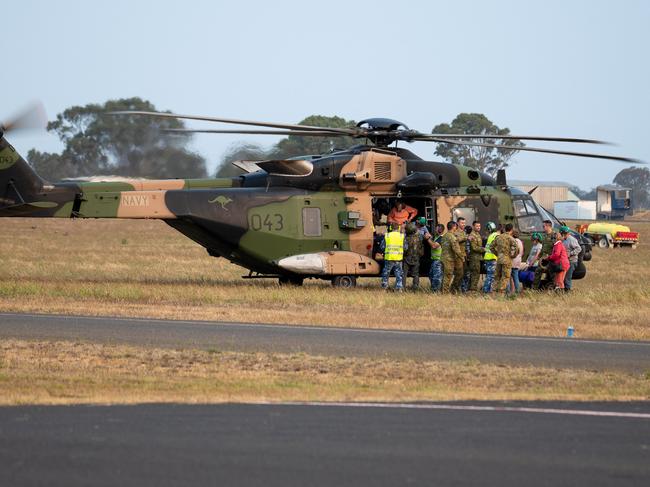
[
  {"x": 66, "y": 372},
  {"x": 146, "y": 269}
]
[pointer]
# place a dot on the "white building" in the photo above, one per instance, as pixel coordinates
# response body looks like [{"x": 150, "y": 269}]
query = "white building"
[{"x": 546, "y": 193}]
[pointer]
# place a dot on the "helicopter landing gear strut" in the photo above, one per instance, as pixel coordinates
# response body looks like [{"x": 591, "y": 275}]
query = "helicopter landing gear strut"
[
  {"x": 344, "y": 281},
  {"x": 290, "y": 281}
]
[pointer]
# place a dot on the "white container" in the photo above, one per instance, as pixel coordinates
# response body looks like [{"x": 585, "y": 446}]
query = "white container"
[{"x": 575, "y": 210}]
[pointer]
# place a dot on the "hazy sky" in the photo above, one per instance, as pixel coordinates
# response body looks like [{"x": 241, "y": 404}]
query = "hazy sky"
[{"x": 574, "y": 68}]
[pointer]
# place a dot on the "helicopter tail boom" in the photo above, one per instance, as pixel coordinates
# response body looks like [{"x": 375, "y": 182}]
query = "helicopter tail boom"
[
  {"x": 20, "y": 187},
  {"x": 23, "y": 193}
]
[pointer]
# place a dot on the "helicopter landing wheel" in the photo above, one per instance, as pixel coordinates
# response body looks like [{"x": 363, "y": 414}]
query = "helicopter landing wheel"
[
  {"x": 290, "y": 281},
  {"x": 344, "y": 281}
]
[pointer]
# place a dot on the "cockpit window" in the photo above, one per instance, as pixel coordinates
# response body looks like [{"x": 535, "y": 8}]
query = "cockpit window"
[
  {"x": 520, "y": 209},
  {"x": 530, "y": 207},
  {"x": 527, "y": 215}
]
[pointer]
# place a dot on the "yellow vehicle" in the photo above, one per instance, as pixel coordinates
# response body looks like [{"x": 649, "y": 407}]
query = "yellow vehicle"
[{"x": 609, "y": 235}]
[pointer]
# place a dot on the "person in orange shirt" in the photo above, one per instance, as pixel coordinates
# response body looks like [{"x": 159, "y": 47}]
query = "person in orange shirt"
[{"x": 401, "y": 213}]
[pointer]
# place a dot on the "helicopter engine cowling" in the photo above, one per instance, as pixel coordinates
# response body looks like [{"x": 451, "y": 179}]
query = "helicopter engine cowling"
[{"x": 418, "y": 182}]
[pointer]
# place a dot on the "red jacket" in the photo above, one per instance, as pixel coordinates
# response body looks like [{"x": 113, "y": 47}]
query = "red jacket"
[{"x": 559, "y": 255}]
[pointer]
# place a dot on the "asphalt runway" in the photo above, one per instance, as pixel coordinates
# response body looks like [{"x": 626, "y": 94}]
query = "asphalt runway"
[
  {"x": 316, "y": 445},
  {"x": 515, "y": 350}
]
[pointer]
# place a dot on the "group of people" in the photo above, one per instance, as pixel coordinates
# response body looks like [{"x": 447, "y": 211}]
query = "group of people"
[{"x": 459, "y": 252}]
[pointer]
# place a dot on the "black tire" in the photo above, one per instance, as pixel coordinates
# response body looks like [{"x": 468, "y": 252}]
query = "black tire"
[
  {"x": 344, "y": 282},
  {"x": 580, "y": 271},
  {"x": 602, "y": 243},
  {"x": 587, "y": 256}
]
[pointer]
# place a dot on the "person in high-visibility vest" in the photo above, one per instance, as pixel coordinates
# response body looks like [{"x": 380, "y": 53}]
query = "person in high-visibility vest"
[
  {"x": 489, "y": 257},
  {"x": 393, "y": 247},
  {"x": 435, "y": 271}
]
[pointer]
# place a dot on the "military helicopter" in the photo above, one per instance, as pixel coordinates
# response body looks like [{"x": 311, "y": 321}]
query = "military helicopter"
[{"x": 298, "y": 218}]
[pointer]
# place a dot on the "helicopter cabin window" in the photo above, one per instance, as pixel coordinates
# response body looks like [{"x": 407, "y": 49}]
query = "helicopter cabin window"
[
  {"x": 528, "y": 217},
  {"x": 311, "y": 223},
  {"x": 469, "y": 214}
]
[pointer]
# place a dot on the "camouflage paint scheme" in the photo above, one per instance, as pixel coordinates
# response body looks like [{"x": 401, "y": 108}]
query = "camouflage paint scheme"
[{"x": 313, "y": 211}]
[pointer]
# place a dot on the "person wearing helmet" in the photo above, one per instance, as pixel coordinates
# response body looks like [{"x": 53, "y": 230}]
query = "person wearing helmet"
[
  {"x": 421, "y": 225},
  {"x": 548, "y": 240},
  {"x": 490, "y": 258},
  {"x": 413, "y": 252},
  {"x": 573, "y": 250}
]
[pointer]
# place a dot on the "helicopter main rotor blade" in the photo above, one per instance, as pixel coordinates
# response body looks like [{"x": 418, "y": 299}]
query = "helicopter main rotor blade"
[
  {"x": 242, "y": 122},
  {"x": 573, "y": 140},
  {"x": 32, "y": 117},
  {"x": 547, "y": 151},
  {"x": 310, "y": 133}
]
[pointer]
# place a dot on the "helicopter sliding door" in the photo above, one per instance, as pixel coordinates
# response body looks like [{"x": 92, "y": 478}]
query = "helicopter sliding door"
[{"x": 425, "y": 206}]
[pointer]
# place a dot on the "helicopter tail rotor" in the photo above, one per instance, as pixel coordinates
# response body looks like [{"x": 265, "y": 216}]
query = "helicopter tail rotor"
[{"x": 32, "y": 117}]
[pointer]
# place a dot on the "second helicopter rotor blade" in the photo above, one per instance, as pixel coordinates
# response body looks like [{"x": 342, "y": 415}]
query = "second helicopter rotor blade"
[
  {"x": 302, "y": 133},
  {"x": 573, "y": 140},
  {"x": 234, "y": 121},
  {"x": 547, "y": 151}
]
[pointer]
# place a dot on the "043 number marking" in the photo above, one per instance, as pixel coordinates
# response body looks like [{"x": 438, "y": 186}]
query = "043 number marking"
[{"x": 269, "y": 222}]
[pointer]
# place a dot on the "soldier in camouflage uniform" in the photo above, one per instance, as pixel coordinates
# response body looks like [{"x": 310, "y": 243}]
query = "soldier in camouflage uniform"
[
  {"x": 476, "y": 251},
  {"x": 413, "y": 252},
  {"x": 461, "y": 237},
  {"x": 459, "y": 232},
  {"x": 453, "y": 257},
  {"x": 548, "y": 240},
  {"x": 505, "y": 248}
]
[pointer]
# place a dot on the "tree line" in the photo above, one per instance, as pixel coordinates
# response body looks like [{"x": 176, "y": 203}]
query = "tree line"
[{"x": 97, "y": 144}]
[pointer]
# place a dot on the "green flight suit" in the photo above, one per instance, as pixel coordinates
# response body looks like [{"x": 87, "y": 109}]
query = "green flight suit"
[
  {"x": 476, "y": 251},
  {"x": 452, "y": 259},
  {"x": 505, "y": 248}
]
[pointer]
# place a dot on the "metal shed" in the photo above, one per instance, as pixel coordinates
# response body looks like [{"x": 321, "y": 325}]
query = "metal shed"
[
  {"x": 546, "y": 193},
  {"x": 613, "y": 201}
]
